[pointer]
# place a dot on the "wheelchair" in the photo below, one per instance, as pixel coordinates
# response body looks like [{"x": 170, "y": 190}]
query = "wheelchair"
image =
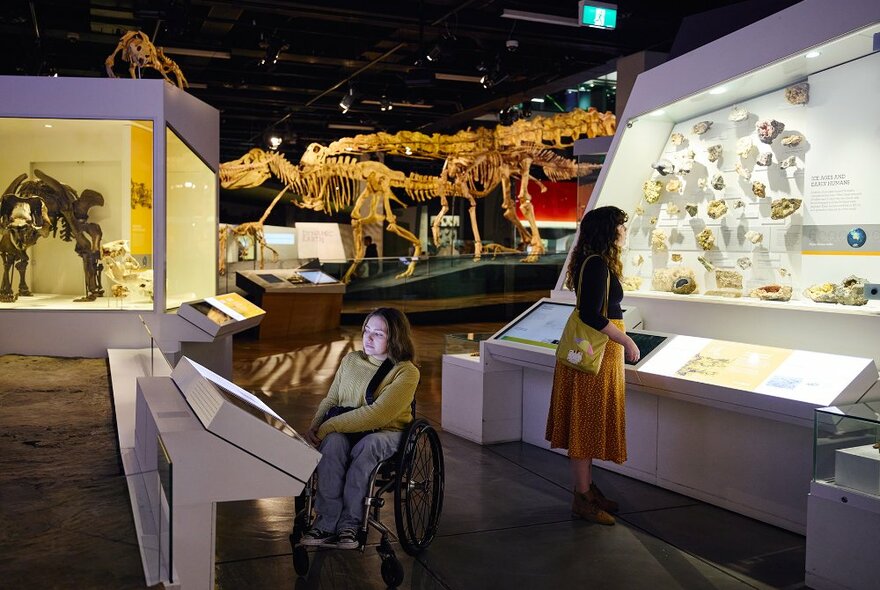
[{"x": 415, "y": 475}]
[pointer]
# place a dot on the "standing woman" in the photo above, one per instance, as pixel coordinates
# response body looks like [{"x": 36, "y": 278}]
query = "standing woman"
[{"x": 587, "y": 412}]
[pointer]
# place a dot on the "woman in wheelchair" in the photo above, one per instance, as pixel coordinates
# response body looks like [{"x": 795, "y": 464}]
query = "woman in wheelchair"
[{"x": 359, "y": 423}]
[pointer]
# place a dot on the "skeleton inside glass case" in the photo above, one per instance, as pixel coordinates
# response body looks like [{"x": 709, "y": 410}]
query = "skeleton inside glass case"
[{"x": 33, "y": 209}]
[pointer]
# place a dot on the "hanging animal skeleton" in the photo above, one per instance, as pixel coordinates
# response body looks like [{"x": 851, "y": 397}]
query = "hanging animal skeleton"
[
  {"x": 139, "y": 52},
  {"x": 334, "y": 184},
  {"x": 31, "y": 209}
]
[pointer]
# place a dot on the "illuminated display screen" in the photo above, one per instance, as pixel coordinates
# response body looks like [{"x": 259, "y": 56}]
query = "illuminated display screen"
[
  {"x": 647, "y": 343},
  {"x": 542, "y": 326},
  {"x": 271, "y": 278}
]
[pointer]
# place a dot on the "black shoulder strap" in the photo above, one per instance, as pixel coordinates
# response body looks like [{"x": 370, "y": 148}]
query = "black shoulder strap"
[{"x": 381, "y": 372}]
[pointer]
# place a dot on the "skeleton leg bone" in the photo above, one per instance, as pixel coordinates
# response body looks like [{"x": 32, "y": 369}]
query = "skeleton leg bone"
[
  {"x": 435, "y": 227},
  {"x": 357, "y": 223}
]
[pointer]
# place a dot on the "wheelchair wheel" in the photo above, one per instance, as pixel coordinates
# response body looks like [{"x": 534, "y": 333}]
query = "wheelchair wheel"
[
  {"x": 392, "y": 572},
  {"x": 418, "y": 495}
]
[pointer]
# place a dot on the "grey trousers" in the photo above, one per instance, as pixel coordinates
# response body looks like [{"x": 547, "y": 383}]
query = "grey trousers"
[{"x": 343, "y": 476}]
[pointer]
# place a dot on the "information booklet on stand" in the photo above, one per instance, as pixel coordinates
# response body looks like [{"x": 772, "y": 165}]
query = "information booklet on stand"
[
  {"x": 242, "y": 419},
  {"x": 229, "y": 313}
]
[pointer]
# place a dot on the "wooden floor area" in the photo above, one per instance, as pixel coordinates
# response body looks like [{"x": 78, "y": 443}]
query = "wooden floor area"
[{"x": 293, "y": 374}]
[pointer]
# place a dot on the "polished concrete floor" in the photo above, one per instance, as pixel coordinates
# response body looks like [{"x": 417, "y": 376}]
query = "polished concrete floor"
[{"x": 506, "y": 524}]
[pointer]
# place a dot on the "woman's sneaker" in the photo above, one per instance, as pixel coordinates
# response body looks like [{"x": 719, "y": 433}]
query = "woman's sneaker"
[
  {"x": 347, "y": 539},
  {"x": 315, "y": 537}
]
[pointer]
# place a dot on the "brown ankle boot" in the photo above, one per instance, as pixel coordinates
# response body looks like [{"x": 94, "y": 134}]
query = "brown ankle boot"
[
  {"x": 596, "y": 495},
  {"x": 588, "y": 510}
]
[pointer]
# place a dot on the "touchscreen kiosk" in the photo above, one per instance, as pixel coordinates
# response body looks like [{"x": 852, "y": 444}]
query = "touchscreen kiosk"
[{"x": 541, "y": 325}]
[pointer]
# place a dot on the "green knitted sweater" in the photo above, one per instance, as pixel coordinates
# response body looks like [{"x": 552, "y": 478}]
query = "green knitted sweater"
[{"x": 391, "y": 407}]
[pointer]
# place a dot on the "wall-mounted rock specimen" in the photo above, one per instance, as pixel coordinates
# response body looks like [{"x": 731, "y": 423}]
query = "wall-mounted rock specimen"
[
  {"x": 651, "y": 190},
  {"x": 789, "y": 162},
  {"x": 664, "y": 278},
  {"x": 744, "y": 263},
  {"x": 792, "y": 140},
  {"x": 675, "y": 257},
  {"x": 738, "y": 114},
  {"x": 676, "y": 138},
  {"x": 654, "y": 220},
  {"x": 759, "y": 189},
  {"x": 754, "y": 236},
  {"x": 765, "y": 159},
  {"x": 822, "y": 293},
  {"x": 744, "y": 147},
  {"x": 714, "y": 152},
  {"x": 783, "y": 272},
  {"x": 674, "y": 185},
  {"x": 706, "y": 239},
  {"x": 703, "y": 183},
  {"x": 631, "y": 283},
  {"x": 728, "y": 279},
  {"x": 739, "y": 204},
  {"x": 638, "y": 260},
  {"x": 718, "y": 182},
  {"x": 664, "y": 167},
  {"x": 672, "y": 209},
  {"x": 659, "y": 240},
  {"x": 717, "y": 208},
  {"x": 701, "y": 127},
  {"x": 639, "y": 210},
  {"x": 691, "y": 208},
  {"x": 743, "y": 172},
  {"x": 798, "y": 94},
  {"x": 782, "y": 208},
  {"x": 769, "y": 129}
]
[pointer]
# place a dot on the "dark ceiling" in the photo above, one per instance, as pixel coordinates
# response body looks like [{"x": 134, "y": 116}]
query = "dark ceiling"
[{"x": 324, "y": 47}]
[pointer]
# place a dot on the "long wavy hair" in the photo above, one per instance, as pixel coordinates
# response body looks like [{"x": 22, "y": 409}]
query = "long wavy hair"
[
  {"x": 597, "y": 235},
  {"x": 399, "y": 338}
]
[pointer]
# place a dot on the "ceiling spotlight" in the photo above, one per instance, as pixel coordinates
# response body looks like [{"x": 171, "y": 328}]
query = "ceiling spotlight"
[
  {"x": 273, "y": 48},
  {"x": 275, "y": 142},
  {"x": 347, "y": 100},
  {"x": 434, "y": 53},
  {"x": 385, "y": 104}
]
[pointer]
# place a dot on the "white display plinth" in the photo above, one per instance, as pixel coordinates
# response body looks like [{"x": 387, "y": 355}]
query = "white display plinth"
[
  {"x": 206, "y": 468},
  {"x": 843, "y": 534},
  {"x": 858, "y": 468}
]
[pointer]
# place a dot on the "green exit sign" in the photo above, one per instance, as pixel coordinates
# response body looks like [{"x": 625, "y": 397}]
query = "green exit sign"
[{"x": 597, "y": 15}]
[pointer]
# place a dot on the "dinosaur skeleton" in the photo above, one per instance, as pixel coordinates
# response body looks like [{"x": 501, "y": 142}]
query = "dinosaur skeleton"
[
  {"x": 479, "y": 160},
  {"x": 332, "y": 184},
  {"x": 137, "y": 49}
]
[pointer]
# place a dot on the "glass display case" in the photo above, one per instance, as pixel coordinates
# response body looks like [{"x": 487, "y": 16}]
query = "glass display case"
[
  {"x": 846, "y": 451},
  {"x": 76, "y": 229},
  {"x": 759, "y": 188}
]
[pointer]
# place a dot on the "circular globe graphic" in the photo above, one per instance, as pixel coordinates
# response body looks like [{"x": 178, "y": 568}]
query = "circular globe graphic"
[{"x": 856, "y": 237}]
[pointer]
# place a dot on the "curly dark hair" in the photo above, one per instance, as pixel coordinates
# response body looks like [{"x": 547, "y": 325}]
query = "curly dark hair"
[
  {"x": 400, "y": 340},
  {"x": 597, "y": 235}
]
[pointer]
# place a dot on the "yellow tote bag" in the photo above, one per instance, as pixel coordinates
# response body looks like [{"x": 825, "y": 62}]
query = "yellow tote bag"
[{"x": 580, "y": 346}]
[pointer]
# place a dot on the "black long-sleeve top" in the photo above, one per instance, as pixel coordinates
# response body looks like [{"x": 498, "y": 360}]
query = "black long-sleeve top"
[{"x": 592, "y": 294}]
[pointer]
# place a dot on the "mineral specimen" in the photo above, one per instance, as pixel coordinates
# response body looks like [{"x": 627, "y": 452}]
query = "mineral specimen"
[
  {"x": 724, "y": 292},
  {"x": 789, "y": 162},
  {"x": 769, "y": 129},
  {"x": 701, "y": 127},
  {"x": 676, "y": 257},
  {"x": 744, "y": 147},
  {"x": 728, "y": 279},
  {"x": 738, "y": 114},
  {"x": 654, "y": 220},
  {"x": 798, "y": 94},
  {"x": 792, "y": 140},
  {"x": 765, "y": 159},
  {"x": 674, "y": 185},
  {"x": 684, "y": 286},
  {"x": 676, "y": 138},
  {"x": 782, "y": 208},
  {"x": 717, "y": 208},
  {"x": 651, "y": 189},
  {"x": 754, "y": 237},
  {"x": 638, "y": 260},
  {"x": 702, "y": 183},
  {"x": 706, "y": 264},
  {"x": 714, "y": 152},
  {"x": 772, "y": 293},
  {"x": 659, "y": 240},
  {"x": 718, "y": 182},
  {"x": 664, "y": 167},
  {"x": 706, "y": 239},
  {"x": 663, "y": 279},
  {"x": 759, "y": 189},
  {"x": 672, "y": 209},
  {"x": 822, "y": 293},
  {"x": 851, "y": 291},
  {"x": 743, "y": 171},
  {"x": 631, "y": 283},
  {"x": 744, "y": 263},
  {"x": 686, "y": 162},
  {"x": 691, "y": 208},
  {"x": 783, "y": 272},
  {"x": 739, "y": 204}
]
